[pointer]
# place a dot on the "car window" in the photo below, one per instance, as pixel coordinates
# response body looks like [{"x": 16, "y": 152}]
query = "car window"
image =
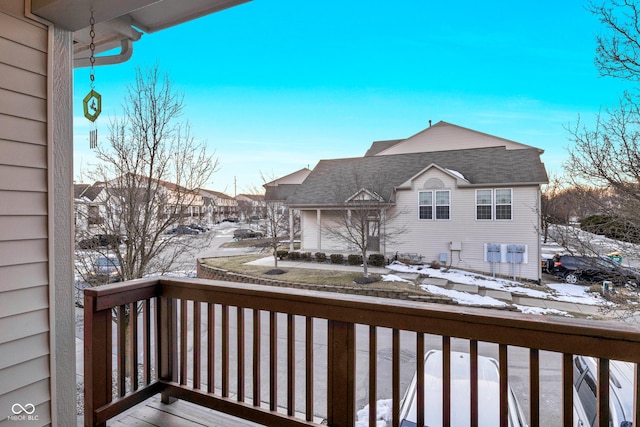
[
  {"x": 587, "y": 394},
  {"x": 106, "y": 262}
]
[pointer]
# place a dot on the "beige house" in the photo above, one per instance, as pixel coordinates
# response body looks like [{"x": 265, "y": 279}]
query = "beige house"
[
  {"x": 447, "y": 194},
  {"x": 39, "y": 42},
  {"x": 217, "y": 206}
]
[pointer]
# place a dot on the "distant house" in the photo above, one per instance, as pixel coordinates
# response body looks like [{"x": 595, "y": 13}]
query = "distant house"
[
  {"x": 88, "y": 202},
  {"x": 464, "y": 199},
  {"x": 250, "y": 205},
  {"x": 218, "y": 206},
  {"x": 276, "y": 194}
]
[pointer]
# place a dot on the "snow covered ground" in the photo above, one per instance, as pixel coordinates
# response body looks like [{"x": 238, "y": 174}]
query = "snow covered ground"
[{"x": 577, "y": 294}]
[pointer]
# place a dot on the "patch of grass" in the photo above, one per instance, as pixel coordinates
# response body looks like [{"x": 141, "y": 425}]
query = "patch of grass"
[
  {"x": 237, "y": 264},
  {"x": 255, "y": 243}
]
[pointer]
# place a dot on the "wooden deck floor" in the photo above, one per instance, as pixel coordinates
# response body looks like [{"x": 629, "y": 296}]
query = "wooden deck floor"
[{"x": 178, "y": 414}]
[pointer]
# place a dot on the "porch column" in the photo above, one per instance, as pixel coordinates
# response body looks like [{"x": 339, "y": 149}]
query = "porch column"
[
  {"x": 291, "y": 231},
  {"x": 319, "y": 227},
  {"x": 383, "y": 232}
]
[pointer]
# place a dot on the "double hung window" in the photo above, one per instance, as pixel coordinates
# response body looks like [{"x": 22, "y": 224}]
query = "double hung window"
[
  {"x": 494, "y": 204},
  {"x": 435, "y": 205}
]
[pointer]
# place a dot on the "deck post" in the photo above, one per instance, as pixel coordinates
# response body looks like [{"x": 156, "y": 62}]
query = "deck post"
[
  {"x": 341, "y": 374},
  {"x": 97, "y": 360},
  {"x": 167, "y": 327}
]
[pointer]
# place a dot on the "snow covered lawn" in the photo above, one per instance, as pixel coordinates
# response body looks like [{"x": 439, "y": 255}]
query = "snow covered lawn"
[{"x": 556, "y": 291}]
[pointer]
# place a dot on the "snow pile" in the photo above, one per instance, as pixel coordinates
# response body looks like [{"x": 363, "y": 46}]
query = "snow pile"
[
  {"x": 384, "y": 414},
  {"x": 464, "y": 297},
  {"x": 556, "y": 291}
]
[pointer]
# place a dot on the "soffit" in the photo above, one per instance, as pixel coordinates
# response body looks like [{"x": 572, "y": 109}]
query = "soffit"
[{"x": 119, "y": 23}]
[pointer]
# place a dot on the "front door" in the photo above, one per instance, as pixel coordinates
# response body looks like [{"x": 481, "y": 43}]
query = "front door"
[{"x": 373, "y": 235}]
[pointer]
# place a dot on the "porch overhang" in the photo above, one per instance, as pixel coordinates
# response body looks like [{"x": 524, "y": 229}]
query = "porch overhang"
[{"x": 119, "y": 23}]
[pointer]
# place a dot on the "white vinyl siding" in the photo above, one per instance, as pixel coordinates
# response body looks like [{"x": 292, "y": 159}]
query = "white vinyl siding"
[
  {"x": 432, "y": 238},
  {"x": 24, "y": 232}
]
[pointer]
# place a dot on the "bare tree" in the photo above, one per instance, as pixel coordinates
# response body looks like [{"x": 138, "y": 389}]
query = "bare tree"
[
  {"x": 604, "y": 157},
  {"x": 364, "y": 214},
  {"x": 281, "y": 223},
  {"x": 617, "y": 48},
  {"x": 149, "y": 171}
]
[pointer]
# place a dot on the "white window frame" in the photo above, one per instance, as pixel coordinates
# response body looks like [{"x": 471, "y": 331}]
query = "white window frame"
[
  {"x": 434, "y": 205},
  {"x": 494, "y": 204},
  {"x": 490, "y": 204},
  {"x": 421, "y": 205}
]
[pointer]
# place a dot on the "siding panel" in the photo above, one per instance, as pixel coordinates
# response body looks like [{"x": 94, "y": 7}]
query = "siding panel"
[
  {"x": 16, "y": 352},
  {"x": 31, "y": 323},
  {"x": 31, "y": 371},
  {"x": 23, "y": 252},
  {"x": 23, "y": 227},
  {"x": 23, "y": 179},
  {"x": 26, "y": 59},
  {"x": 24, "y": 300},
  {"x": 22, "y": 32},
  {"x": 22, "y": 203},
  {"x": 18, "y": 81},
  {"x": 22, "y": 130},
  {"x": 35, "y": 394},
  {"x": 31, "y": 107},
  {"x": 20, "y": 154},
  {"x": 23, "y": 276}
]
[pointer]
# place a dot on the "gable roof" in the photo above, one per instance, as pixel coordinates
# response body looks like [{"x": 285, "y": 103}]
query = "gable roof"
[
  {"x": 382, "y": 174},
  {"x": 379, "y": 146},
  {"x": 88, "y": 192},
  {"x": 445, "y": 136},
  {"x": 280, "y": 189},
  {"x": 216, "y": 194}
]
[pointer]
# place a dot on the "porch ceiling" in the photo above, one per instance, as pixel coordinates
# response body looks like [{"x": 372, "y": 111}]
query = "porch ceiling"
[{"x": 118, "y": 23}]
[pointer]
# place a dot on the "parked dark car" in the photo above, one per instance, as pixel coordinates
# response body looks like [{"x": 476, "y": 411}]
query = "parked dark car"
[
  {"x": 246, "y": 233},
  {"x": 183, "y": 230},
  {"x": 200, "y": 228},
  {"x": 100, "y": 241},
  {"x": 106, "y": 269},
  {"x": 575, "y": 269},
  {"x": 230, "y": 220}
]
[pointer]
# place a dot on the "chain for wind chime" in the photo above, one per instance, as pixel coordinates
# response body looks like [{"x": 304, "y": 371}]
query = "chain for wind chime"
[{"x": 92, "y": 103}]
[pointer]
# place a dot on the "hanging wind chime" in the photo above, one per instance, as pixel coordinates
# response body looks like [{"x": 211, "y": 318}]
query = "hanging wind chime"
[{"x": 92, "y": 103}]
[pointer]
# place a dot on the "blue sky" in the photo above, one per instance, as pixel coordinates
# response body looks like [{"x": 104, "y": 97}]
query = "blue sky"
[{"x": 275, "y": 86}]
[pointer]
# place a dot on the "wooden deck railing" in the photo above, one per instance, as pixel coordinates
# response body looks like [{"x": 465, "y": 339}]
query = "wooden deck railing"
[{"x": 178, "y": 341}]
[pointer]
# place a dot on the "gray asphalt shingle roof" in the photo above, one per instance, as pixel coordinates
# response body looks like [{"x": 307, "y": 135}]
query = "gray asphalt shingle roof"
[{"x": 382, "y": 174}]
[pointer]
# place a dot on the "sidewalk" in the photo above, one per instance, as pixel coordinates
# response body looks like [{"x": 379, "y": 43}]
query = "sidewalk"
[{"x": 569, "y": 307}]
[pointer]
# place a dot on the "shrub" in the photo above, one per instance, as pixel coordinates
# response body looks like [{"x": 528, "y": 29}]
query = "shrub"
[
  {"x": 377, "y": 260},
  {"x": 282, "y": 254},
  {"x": 611, "y": 227},
  {"x": 435, "y": 265},
  {"x": 306, "y": 256},
  {"x": 354, "y": 259},
  {"x": 336, "y": 258},
  {"x": 321, "y": 257},
  {"x": 293, "y": 255}
]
